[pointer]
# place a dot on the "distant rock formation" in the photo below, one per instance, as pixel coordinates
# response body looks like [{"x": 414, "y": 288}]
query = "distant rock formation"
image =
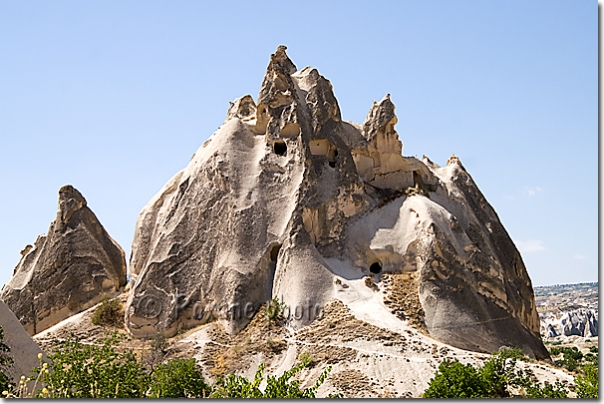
[
  {"x": 68, "y": 270},
  {"x": 580, "y": 322},
  {"x": 23, "y": 350},
  {"x": 551, "y": 331},
  {"x": 286, "y": 199}
]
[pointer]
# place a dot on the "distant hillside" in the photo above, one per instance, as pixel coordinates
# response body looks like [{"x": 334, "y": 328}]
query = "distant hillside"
[{"x": 557, "y": 289}]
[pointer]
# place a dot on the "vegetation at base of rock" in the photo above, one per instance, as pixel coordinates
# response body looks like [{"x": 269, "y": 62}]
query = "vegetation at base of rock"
[
  {"x": 78, "y": 370},
  {"x": 570, "y": 358},
  {"x": 498, "y": 377},
  {"x": 456, "y": 380},
  {"x": 109, "y": 312},
  {"x": 178, "y": 378},
  {"x": 274, "y": 310},
  {"x": 587, "y": 385},
  {"x": 5, "y": 362},
  {"x": 234, "y": 386},
  {"x": 102, "y": 370}
]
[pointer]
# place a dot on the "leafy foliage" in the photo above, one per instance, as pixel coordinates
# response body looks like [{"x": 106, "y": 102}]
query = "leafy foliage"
[
  {"x": 90, "y": 371},
  {"x": 587, "y": 385},
  {"x": 79, "y": 370},
  {"x": 456, "y": 380},
  {"x": 234, "y": 386},
  {"x": 274, "y": 310},
  {"x": 494, "y": 379},
  {"x": 5, "y": 362},
  {"x": 178, "y": 378},
  {"x": 108, "y": 312},
  {"x": 499, "y": 372}
]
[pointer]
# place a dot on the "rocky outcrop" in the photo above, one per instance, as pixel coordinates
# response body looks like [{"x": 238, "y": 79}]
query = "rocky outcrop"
[
  {"x": 286, "y": 200},
  {"x": 23, "y": 350},
  {"x": 66, "y": 271},
  {"x": 581, "y": 322}
]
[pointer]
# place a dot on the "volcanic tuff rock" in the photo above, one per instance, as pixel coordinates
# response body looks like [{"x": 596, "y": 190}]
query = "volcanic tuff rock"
[
  {"x": 23, "y": 350},
  {"x": 287, "y": 200},
  {"x": 69, "y": 270}
]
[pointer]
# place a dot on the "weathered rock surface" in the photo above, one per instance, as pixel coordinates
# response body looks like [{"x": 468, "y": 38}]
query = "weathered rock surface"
[
  {"x": 286, "y": 200},
  {"x": 66, "y": 271},
  {"x": 23, "y": 350}
]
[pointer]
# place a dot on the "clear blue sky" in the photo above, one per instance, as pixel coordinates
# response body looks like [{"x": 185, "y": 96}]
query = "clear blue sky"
[{"x": 114, "y": 97}]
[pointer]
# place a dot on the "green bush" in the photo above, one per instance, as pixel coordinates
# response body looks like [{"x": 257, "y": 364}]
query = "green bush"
[
  {"x": 274, "y": 310},
  {"x": 108, "y": 312},
  {"x": 548, "y": 391},
  {"x": 178, "y": 378},
  {"x": 234, "y": 386},
  {"x": 78, "y": 370},
  {"x": 91, "y": 371},
  {"x": 499, "y": 371},
  {"x": 587, "y": 385},
  {"x": 5, "y": 363},
  {"x": 492, "y": 380},
  {"x": 456, "y": 380}
]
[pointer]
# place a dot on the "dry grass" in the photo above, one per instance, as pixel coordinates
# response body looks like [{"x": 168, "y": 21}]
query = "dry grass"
[{"x": 402, "y": 298}]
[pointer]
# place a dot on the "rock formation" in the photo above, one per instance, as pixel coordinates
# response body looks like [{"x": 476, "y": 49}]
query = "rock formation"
[
  {"x": 23, "y": 350},
  {"x": 68, "y": 270},
  {"x": 288, "y": 201},
  {"x": 581, "y": 322}
]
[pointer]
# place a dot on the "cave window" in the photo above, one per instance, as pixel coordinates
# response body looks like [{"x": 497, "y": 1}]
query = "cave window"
[
  {"x": 279, "y": 147},
  {"x": 331, "y": 157},
  {"x": 417, "y": 180},
  {"x": 375, "y": 268},
  {"x": 275, "y": 252}
]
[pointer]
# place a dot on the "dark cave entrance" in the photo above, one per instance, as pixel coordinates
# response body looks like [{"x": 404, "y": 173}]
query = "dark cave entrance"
[
  {"x": 275, "y": 252},
  {"x": 331, "y": 157},
  {"x": 279, "y": 147},
  {"x": 375, "y": 268}
]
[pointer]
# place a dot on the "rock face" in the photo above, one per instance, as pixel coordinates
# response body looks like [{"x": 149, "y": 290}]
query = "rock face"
[
  {"x": 23, "y": 350},
  {"x": 68, "y": 270},
  {"x": 286, "y": 200}
]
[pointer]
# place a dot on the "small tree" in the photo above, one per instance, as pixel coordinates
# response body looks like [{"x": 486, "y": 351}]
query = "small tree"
[
  {"x": 178, "y": 378},
  {"x": 499, "y": 373},
  {"x": 109, "y": 312},
  {"x": 456, "y": 380},
  {"x": 587, "y": 385}
]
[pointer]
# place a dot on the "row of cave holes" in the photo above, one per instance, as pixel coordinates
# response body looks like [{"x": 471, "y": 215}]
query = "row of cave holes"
[{"x": 280, "y": 148}]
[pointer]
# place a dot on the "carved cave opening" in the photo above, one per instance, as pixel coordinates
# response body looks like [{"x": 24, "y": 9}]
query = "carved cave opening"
[
  {"x": 272, "y": 268},
  {"x": 375, "y": 268},
  {"x": 275, "y": 252},
  {"x": 279, "y": 147},
  {"x": 331, "y": 157}
]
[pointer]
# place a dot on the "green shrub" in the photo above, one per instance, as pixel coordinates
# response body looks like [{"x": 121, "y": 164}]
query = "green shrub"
[
  {"x": 587, "y": 385},
  {"x": 5, "y": 363},
  {"x": 499, "y": 373},
  {"x": 91, "y": 371},
  {"x": 492, "y": 380},
  {"x": 456, "y": 380},
  {"x": 234, "y": 386},
  {"x": 178, "y": 378},
  {"x": 547, "y": 391},
  {"x": 108, "y": 312},
  {"x": 274, "y": 310}
]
